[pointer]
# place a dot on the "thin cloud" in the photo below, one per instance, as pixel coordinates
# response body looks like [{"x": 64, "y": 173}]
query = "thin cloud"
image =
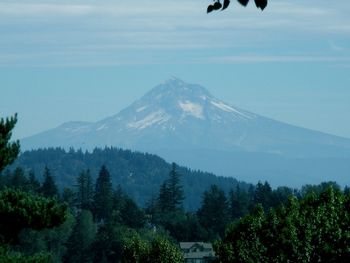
[
  {"x": 31, "y": 28},
  {"x": 275, "y": 59}
]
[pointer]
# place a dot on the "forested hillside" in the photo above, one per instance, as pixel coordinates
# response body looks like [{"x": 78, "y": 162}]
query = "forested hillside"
[{"x": 138, "y": 174}]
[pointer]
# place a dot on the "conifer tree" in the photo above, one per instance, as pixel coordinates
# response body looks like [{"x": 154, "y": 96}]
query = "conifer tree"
[
  {"x": 49, "y": 187},
  {"x": 175, "y": 189},
  {"x": 103, "y": 197},
  {"x": 18, "y": 179},
  {"x": 213, "y": 214},
  {"x": 20, "y": 210},
  {"x": 263, "y": 195},
  {"x": 164, "y": 198},
  {"x": 239, "y": 203},
  {"x": 34, "y": 184},
  {"x": 82, "y": 237},
  {"x": 8, "y": 151},
  {"x": 85, "y": 193}
]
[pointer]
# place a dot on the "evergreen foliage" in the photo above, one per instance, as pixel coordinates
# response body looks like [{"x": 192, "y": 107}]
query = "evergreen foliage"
[
  {"x": 18, "y": 179},
  {"x": 7, "y": 255},
  {"x": 263, "y": 195},
  {"x": 214, "y": 213},
  {"x": 139, "y": 174},
  {"x": 171, "y": 193},
  {"x": 81, "y": 239},
  {"x": 85, "y": 191},
  {"x": 52, "y": 241},
  {"x": 34, "y": 184},
  {"x": 19, "y": 210},
  {"x": 8, "y": 150},
  {"x": 106, "y": 225},
  {"x": 175, "y": 190},
  {"x": 103, "y": 198},
  {"x": 49, "y": 187},
  {"x": 238, "y": 203}
]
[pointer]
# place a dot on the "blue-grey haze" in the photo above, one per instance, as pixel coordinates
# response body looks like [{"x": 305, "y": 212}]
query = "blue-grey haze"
[{"x": 66, "y": 60}]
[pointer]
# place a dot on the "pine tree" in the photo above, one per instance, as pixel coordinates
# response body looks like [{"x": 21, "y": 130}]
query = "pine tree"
[
  {"x": 132, "y": 216},
  {"x": 8, "y": 151},
  {"x": 82, "y": 237},
  {"x": 68, "y": 196},
  {"x": 85, "y": 193},
  {"x": 263, "y": 195},
  {"x": 49, "y": 187},
  {"x": 20, "y": 210},
  {"x": 164, "y": 198},
  {"x": 175, "y": 189},
  {"x": 103, "y": 197},
  {"x": 213, "y": 214},
  {"x": 239, "y": 203},
  {"x": 18, "y": 179},
  {"x": 34, "y": 184}
]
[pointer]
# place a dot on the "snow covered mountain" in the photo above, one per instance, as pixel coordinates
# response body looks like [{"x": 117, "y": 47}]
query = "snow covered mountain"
[{"x": 184, "y": 123}]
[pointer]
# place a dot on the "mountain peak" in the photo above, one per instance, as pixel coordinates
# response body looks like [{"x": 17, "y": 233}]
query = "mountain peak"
[
  {"x": 176, "y": 88},
  {"x": 185, "y": 123},
  {"x": 174, "y": 81}
]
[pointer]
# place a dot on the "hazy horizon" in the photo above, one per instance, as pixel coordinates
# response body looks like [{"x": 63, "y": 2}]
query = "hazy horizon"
[{"x": 85, "y": 60}]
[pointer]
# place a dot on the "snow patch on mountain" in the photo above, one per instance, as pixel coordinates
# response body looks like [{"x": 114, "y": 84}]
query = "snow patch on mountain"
[
  {"x": 192, "y": 109},
  {"x": 141, "y": 109},
  {"x": 157, "y": 117},
  {"x": 228, "y": 108},
  {"x": 102, "y": 127}
]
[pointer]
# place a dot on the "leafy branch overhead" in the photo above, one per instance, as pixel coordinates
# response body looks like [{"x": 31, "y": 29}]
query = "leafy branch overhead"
[{"x": 217, "y": 5}]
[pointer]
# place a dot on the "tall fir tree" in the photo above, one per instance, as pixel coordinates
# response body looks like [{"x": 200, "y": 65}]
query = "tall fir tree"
[
  {"x": 49, "y": 187},
  {"x": 263, "y": 195},
  {"x": 103, "y": 197},
  {"x": 34, "y": 184},
  {"x": 175, "y": 188},
  {"x": 8, "y": 150},
  {"x": 238, "y": 203},
  {"x": 85, "y": 192},
  {"x": 164, "y": 198},
  {"x": 82, "y": 237},
  {"x": 213, "y": 214},
  {"x": 19, "y": 180}
]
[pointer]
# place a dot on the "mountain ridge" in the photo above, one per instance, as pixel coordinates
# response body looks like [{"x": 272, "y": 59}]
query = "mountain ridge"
[{"x": 187, "y": 119}]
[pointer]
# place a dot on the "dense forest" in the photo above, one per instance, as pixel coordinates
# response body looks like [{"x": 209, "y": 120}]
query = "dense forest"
[
  {"x": 93, "y": 220},
  {"x": 138, "y": 174},
  {"x": 102, "y": 221}
]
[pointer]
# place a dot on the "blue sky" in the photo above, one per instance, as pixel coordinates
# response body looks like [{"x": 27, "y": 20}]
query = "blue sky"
[{"x": 84, "y": 60}]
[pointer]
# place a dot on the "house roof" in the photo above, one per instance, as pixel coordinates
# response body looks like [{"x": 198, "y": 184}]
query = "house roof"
[
  {"x": 199, "y": 255},
  {"x": 188, "y": 245}
]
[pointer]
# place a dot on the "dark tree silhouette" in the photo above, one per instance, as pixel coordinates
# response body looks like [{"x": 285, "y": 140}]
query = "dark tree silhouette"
[
  {"x": 103, "y": 198},
  {"x": 217, "y": 5},
  {"x": 8, "y": 151},
  {"x": 49, "y": 187}
]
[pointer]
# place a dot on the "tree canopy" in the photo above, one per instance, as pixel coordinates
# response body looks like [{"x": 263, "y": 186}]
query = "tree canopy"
[
  {"x": 313, "y": 229},
  {"x": 19, "y": 210},
  {"x": 8, "y": 150}
]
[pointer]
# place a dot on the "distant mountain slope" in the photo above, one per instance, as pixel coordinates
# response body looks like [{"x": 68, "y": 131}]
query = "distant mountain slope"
[
  {"x": 140, "y": 175},
  {"x": 184, "y": 123}
]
